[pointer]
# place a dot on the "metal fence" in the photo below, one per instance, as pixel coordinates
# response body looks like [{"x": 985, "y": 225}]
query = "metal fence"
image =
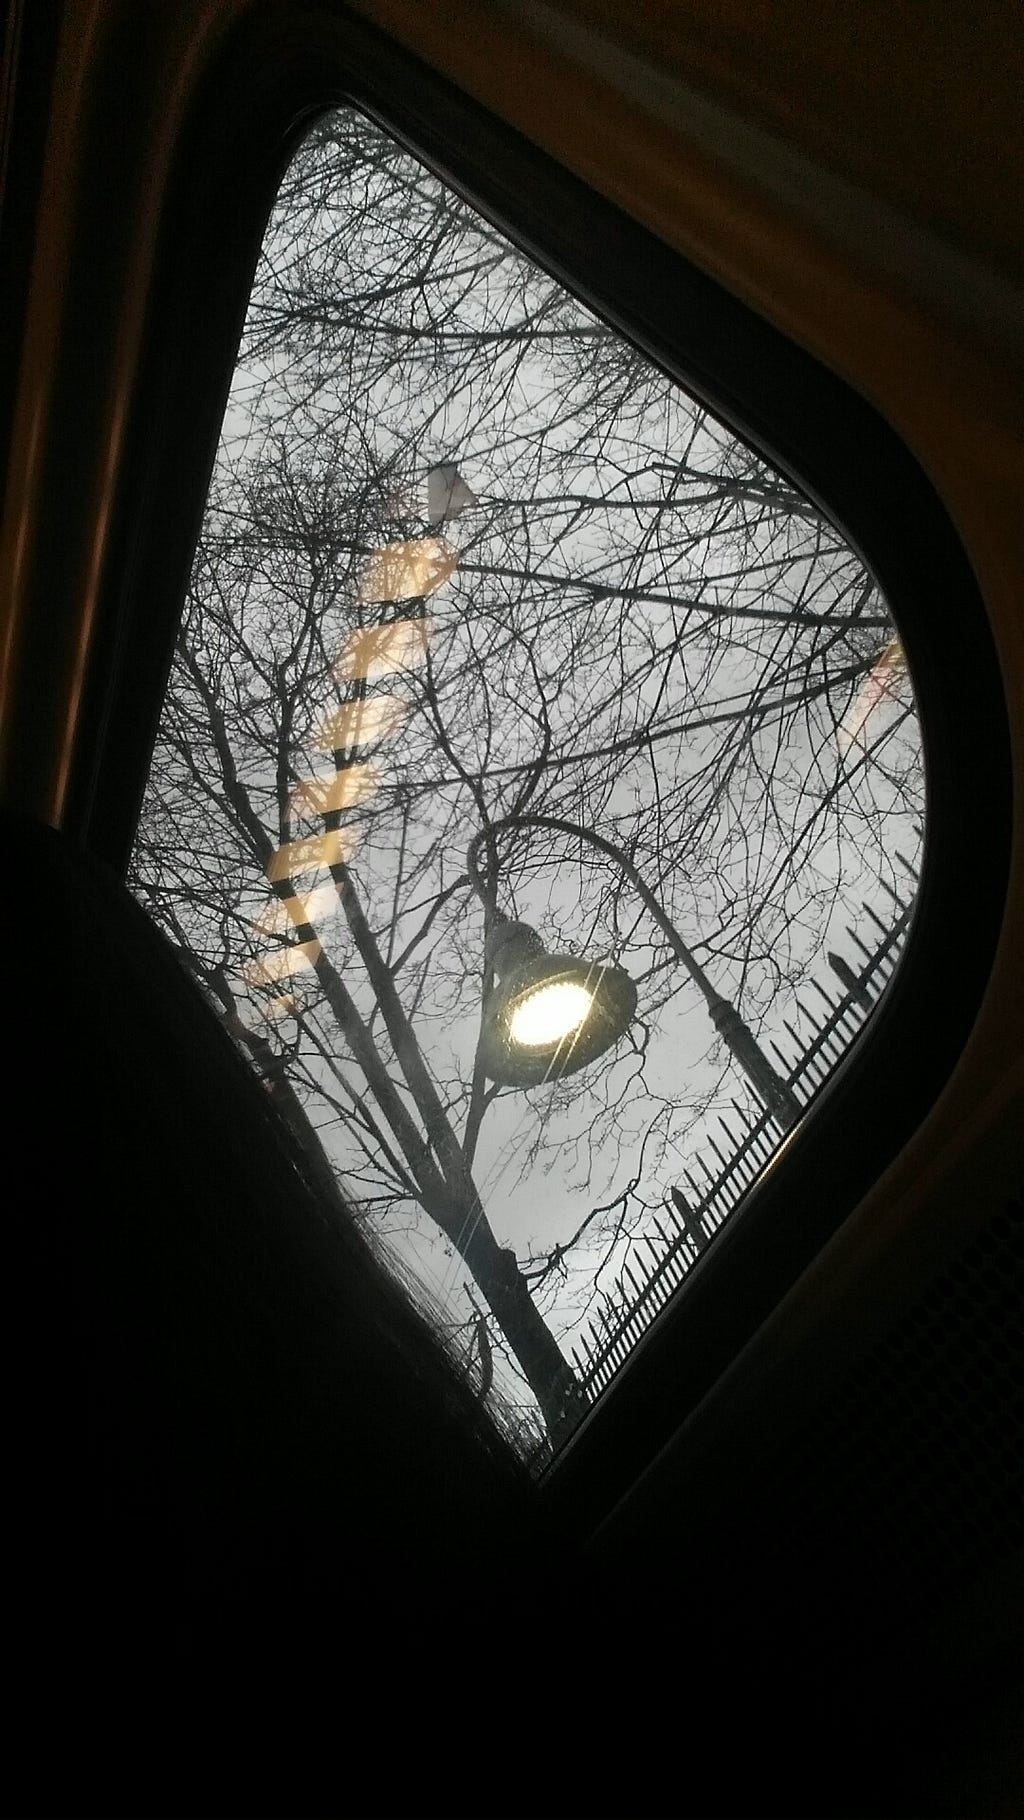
[{"x": 737, "y": 1151}]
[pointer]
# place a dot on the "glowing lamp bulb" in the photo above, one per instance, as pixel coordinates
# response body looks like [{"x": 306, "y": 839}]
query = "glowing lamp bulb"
[{"x": 550, "y": 1014}]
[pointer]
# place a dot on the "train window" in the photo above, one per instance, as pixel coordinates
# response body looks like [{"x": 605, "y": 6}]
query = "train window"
[{"x": 538, "y": 794}]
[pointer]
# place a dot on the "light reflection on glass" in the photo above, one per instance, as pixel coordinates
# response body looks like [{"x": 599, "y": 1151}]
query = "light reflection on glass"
[
  {"x": 375, "y": 651},
  {"x": 407, "y": 571},
  {"x": 335, "y": 848},
  {"x": 360, "y": 723},
  {"x": 281, "y": 963},
  {"x": 879, "y": 685},
  {"x": 344, "y": 789},
  {"x": 314, "y": 907}
]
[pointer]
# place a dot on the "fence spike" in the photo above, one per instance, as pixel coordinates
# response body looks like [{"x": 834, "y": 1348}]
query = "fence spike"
[
  {"x": 875, "y": 918},
  {"x": 891, "y": 891},
  {"x": 662, "y": 1231}
]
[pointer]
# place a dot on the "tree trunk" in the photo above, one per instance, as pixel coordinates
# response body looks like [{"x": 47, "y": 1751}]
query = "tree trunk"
[
  {"x": 508, "y": 1296},
  {"x": 458, "y": 1210}
]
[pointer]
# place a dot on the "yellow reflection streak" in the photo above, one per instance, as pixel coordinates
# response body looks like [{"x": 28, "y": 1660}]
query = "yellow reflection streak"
[
  {"x": 372, "y": 652},
  {"x": 360, "y": 723},
  {"x": 281, "y": 1006},
  {"x": 281, "y": 964},
  {"x": 283, "y": 913},
  {"x": 407, "y": 571},
  {"x": 344, "y": 789},
  {"x": 877, "y": 685},
  {"x": 335, "y": 848}
]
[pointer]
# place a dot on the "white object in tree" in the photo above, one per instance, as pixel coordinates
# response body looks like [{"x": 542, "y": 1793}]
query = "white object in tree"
[{"x": 447, "y": 493}]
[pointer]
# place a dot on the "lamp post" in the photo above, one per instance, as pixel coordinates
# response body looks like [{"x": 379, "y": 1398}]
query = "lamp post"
[{"x": 517, "y": 953}]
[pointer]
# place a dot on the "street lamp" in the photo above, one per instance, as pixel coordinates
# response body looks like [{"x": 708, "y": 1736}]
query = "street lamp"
[{"x": 549, "y": 1015}]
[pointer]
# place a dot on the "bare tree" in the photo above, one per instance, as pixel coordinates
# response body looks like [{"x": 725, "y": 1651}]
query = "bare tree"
[{"x": 469, "y": 558}]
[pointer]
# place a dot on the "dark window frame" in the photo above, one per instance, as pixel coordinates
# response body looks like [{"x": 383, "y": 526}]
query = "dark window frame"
[{"x": 266, "y": 85}]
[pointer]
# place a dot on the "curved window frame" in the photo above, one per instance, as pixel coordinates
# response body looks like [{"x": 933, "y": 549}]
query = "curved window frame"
[{"x": 267, "y": 83}]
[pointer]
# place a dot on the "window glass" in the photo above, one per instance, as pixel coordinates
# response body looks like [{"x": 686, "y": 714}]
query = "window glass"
[{"x": 538, "y": 793}]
